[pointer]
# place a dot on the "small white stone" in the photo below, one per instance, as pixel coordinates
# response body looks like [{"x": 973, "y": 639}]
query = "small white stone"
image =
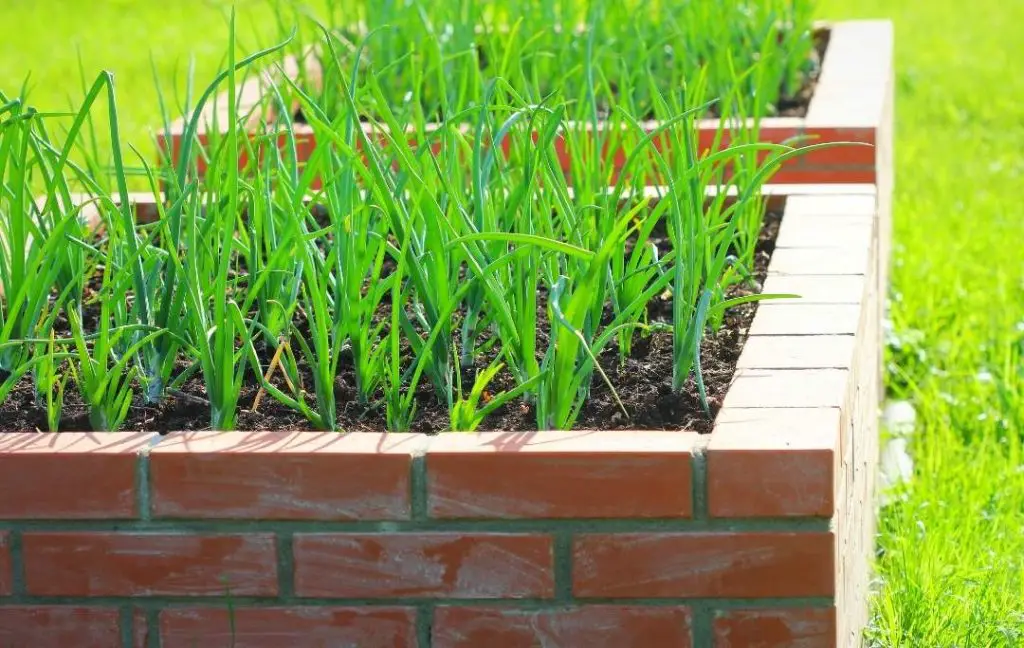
[
  {"x": 896, "y": 466},
  {"x": 899, "y": 418}
]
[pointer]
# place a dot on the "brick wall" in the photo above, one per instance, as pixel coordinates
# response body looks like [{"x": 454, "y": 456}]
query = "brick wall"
[{"x": 461, "y": 540}]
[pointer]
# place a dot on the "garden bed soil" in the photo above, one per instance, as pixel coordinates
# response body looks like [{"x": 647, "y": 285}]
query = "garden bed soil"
[{"x": 643, "y": 383}]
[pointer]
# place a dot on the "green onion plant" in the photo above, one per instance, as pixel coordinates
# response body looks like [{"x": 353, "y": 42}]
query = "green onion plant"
[{"x": 474, "y": 229}]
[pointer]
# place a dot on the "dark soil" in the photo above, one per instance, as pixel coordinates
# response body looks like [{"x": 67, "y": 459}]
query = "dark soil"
[{"x": 643, "y": 383}]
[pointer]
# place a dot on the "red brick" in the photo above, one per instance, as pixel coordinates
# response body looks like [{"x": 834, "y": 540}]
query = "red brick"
[
  {"x": 486, "y": 565},
  {"x": 765, "y": 462},
  {"x": 142, "y": 630},
  {"x": 798, "y": 351},
  {"x": 819, "y": 289},
  {"x": 785, "y": 132},
  {"x": 204, "y": 141},
  {"x": 298, "y": 476},
  {"x": 853, "y": 152},
  {"x": 825, "y": 175},
  {"x": 861, "y": 151},
  {"x": 595, "y": 626},
  {"x": 59, "y": 627},
  {"x": 741, "y": 565},
  {"x": 305, "y": 143},
  {"x": 6, "y": 577},
  {"x": 296, "y": 627},
  {"x": 790, "y": 317},
  {"x": 782, "y": 628},
  {"x": 69, "y": 476},
  {"x": 560, "y": 475},
  {"x": 796, "y": 388},
  {"x": 137, "y": 564}
]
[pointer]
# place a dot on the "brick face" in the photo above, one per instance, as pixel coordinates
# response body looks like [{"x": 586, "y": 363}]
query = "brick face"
[
  {"x": 459, "y": 565},
  {"x": 798, "y": 261},
  {"x": 826, "y": 175},
  {"x": 740, "y": 565},
  {"x": 304, "y": 476},
  {"x": 6, "y": 577},
  {"x": 773, "y": 462},
  {"x": 142, "y": 630},
  {"x": 779, "y": 628},
  {"x": 77, "y": 477},
  {"x": 136, "y": 564},
  {"x": 793, "y": 318},
  {"x": 855, "y": 514},
  {"x": 596, "y": 626},
  {"x": 796, "y": 388},
  {"x": 602, "y": 475},
  {"x": 52, "y": 626},
  {"x": 295, "y": 627}
]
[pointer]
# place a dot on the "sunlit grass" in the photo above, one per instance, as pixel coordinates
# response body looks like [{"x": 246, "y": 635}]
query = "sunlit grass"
[
  {"x": 953, "y": 565},
  {"x": 45, "y": 41}
]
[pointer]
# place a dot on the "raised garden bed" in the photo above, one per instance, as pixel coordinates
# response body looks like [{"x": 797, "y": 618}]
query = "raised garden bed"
[
  {"x": 759, "y": 533},
  {"x": 851, "y": 102}
]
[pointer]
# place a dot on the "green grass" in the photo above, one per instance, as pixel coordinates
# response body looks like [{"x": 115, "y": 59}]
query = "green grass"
[
  {"x": 953, "y": 562},
  {"x": 127, "y": 38},
  {"x": 951, "y": 572}
]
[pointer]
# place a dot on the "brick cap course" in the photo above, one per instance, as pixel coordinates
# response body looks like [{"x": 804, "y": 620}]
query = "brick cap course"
[
  {"x": 615, "y": 474},
  {"x": 70, "y": 476},
  {"x": 773, "y": 463},
  {"x": 285, "y": 476}
]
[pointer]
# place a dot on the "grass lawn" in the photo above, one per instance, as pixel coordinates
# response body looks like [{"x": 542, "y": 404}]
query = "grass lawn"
[
  {"x": 953, "y": 565},
  {"x": 951, "y": 571},
  {"x": 130, "y": 38}
]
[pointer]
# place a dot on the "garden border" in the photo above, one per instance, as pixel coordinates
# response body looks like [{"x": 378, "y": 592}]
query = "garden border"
[
  {"x": 762, "y": 530},
  {"x": 851, "y": 103}
]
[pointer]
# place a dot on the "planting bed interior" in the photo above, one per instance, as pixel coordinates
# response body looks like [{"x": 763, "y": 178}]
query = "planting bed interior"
[
  {"x": 642, "y": 377},
  {"x": 456, "y": 289}
]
